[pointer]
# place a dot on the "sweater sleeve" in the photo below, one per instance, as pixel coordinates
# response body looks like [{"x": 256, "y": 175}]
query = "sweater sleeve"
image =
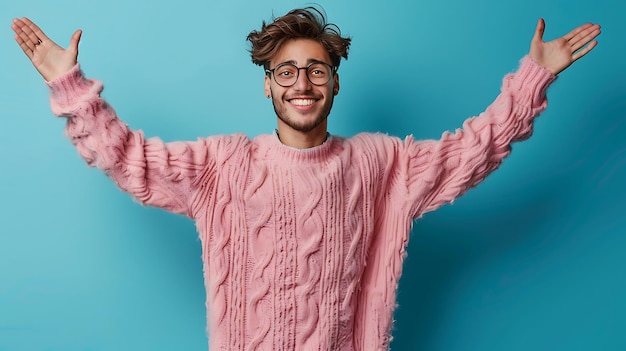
[
  {"x": 153, "y": 172},
  {"x": 439, "y": 171}
]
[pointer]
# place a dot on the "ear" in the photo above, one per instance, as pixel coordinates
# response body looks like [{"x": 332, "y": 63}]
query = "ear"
[
  {"x": 268, "y": 88},
  {"x": 336, "y": 85}
]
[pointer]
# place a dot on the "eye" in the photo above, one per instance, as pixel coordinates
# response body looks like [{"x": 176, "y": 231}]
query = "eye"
[
  {"x": 285, "y": 71},
  {"x": 318, "y": 70}
]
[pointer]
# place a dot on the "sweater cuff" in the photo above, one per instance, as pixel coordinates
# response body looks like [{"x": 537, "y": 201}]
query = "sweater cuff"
[
  {"x": 68, "y": 88},
  {"x": 535, "y": 78}
]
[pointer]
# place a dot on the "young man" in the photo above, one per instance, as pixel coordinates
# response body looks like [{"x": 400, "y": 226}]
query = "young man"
[{"x": 303, "y": 233}]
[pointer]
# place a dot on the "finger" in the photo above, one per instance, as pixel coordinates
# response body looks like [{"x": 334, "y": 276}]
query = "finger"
[
  {"x": 28, "y": 51},
  {"x": 584, "y": 51},
  {"x": 75, "y": 39},
  {"x": 584, "y": 37},
  {"x": 35, "y": 29},
  {"x": 25, "y": 35},
  {"x": 577, "y": 30},
  {"x": 24, "y": 31},
  {"x": 541, "y": 26}
]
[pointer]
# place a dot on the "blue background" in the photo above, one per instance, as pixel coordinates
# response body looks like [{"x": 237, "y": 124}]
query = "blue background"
[{"x": 532, "y": 259}]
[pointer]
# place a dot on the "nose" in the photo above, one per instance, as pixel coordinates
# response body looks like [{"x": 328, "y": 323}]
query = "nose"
[{"x": 302, "y": 82}]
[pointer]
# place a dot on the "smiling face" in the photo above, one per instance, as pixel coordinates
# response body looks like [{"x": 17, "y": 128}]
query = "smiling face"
[{"x": 302, "y": 109}]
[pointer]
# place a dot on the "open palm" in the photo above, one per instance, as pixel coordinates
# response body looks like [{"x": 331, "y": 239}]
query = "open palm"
[
  {"x": 558, "y": 54},
  {"x": 50, "y": 60}
]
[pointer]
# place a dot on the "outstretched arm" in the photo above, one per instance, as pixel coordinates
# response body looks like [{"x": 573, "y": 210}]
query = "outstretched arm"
[
  {"x": 441, "y": 170},
  {"x": 50, "y": 60},
  {"x": 153, "y": 172},
  {"x": 558, "y": 54}
]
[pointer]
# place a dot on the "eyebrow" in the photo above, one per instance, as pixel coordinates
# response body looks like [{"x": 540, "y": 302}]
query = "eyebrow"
[{"x": 308, "y": 62}]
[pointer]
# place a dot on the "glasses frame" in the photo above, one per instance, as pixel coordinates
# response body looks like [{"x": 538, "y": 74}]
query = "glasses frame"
[{"x": 333, "y": 70}]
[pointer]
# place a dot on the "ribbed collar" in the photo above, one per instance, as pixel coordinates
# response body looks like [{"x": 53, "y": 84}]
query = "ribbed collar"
[{"x": 269, "y": 146}]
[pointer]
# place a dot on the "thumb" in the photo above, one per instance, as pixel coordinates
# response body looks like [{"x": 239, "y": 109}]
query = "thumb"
[
  {"x": 75, "y": 40},
  {"x": 541, "y": 26}
]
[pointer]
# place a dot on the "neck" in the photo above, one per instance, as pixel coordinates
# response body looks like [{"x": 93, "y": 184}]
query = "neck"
[{"x": 302, "y": 140}]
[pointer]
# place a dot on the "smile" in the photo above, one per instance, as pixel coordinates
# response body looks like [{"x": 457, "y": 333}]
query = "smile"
[{"x": 302, "y": 102}]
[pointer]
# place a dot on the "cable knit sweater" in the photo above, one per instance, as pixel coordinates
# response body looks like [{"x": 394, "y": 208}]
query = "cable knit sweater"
[{"x": 302, "y": 248}]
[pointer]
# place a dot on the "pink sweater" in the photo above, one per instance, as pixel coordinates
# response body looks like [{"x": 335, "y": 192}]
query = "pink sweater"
[{"x": 302, "y": 249}]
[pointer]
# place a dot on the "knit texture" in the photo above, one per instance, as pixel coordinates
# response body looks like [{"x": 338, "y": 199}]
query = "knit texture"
[{"x": 302, "y": 249}]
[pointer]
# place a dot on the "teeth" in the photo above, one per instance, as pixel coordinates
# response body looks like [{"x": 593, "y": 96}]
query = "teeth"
[{"x": 302, "y": 102}]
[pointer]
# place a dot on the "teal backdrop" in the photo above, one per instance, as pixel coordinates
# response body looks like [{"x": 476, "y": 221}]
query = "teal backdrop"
[{"x": 531, "y": 259}]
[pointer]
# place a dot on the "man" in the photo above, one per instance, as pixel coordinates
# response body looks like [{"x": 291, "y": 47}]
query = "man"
[{"x": 303, "y": 233}]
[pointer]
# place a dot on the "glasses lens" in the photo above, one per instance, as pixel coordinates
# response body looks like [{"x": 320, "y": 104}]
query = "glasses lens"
[
  {"x": 319, "y": 73},
  {"x": 286, "y": 75}
]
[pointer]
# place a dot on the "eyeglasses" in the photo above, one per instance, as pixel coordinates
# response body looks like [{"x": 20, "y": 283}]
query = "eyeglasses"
[{"x": 286, "y": 74}]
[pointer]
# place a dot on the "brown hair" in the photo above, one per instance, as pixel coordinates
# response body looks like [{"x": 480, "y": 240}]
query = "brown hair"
[{"x": 306, "y": 23}]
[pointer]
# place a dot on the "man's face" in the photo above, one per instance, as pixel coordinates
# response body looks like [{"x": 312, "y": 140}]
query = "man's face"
[{"x": 302, "y": 107}]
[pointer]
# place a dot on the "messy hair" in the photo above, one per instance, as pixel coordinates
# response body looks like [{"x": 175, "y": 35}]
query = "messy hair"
[{"x": 306, "y": 23}]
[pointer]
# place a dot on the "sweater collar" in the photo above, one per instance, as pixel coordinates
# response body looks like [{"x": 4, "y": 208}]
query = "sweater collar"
[{"x": 271, "y": 147}]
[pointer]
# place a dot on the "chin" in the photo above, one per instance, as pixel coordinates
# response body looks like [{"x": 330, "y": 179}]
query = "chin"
[{"x": 303, "y": 127}]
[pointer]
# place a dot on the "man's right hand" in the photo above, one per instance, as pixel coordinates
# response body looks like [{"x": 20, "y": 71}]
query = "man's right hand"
[{"x": 50, "y": 60}]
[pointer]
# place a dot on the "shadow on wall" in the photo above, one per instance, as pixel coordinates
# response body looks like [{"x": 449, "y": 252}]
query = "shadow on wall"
[
  {"x": 537, "y": 220},
  {"x": 444, "y": 245}
]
